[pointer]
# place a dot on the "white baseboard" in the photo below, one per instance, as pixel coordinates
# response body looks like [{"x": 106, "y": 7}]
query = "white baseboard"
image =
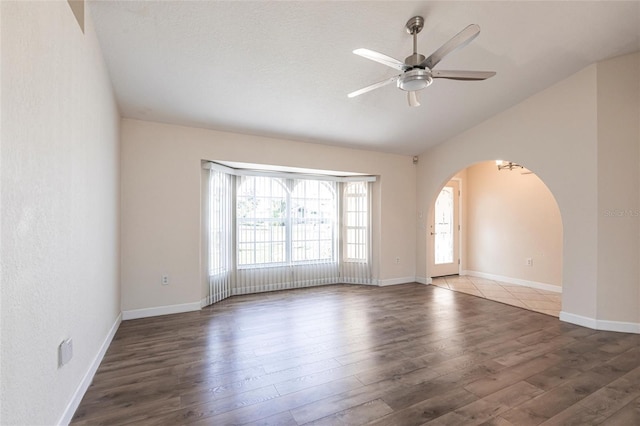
[
  {"x": 604, "y": 325},
  {"x": 516, "y": 281},
  {"x": 578, "y": 320},
  {"x": 71, "y": 408},
  {"x": 160, "y": 310},
  {"x": 424, "y": 280},
  {"x": 622, "y": 327},
  {"x": 396, "y": 281}
]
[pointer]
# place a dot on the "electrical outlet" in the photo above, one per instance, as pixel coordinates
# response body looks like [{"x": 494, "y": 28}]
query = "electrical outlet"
[
  {"x": 165, "y": 279},
  {"x": 65, "y": 352},
  {"x": 397, "y": 260},
  {"x": 528, "y": 261}
]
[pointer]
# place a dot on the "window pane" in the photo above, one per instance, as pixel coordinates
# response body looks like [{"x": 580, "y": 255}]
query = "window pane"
[
  {"x": 270, "y": 220},
  {"x": 261, "y": 211},
  {"x": 313, "y": 218},
  {"x": 278, "y": 253},
  {"x": 325, "y": 231},
  {"x": 356, "y": 222},
  {"x": 245, "y": 254},
  {"x": 326, "y": 249},
  {"x": 352, "y": 218},
  {"x": 444, "y": 226}
]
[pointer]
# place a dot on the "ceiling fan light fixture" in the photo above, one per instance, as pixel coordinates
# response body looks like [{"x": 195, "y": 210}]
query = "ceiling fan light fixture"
[
  {"x": 415, "y": 79},
  {"x": 508, "y": 165}
]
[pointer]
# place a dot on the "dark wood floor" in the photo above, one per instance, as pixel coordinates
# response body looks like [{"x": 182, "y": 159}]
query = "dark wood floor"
[{"x": 401, "y": 355}]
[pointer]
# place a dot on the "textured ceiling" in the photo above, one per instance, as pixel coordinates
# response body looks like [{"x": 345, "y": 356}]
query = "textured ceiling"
[{"x": 283, "y": 69}]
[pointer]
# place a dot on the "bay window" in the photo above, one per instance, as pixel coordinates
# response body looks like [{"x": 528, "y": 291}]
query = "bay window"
[{"x": 270, "y": 231}]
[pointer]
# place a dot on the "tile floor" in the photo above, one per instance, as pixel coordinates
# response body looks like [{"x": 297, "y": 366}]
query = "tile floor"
[{"x": 546, "y": 302}]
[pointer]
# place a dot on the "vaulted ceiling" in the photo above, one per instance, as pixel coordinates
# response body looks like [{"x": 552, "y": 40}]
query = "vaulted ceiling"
[{"x": 283, "y": 69}]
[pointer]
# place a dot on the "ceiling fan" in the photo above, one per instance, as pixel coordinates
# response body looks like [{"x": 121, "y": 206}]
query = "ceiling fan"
[{"x": 417, "y": 71}]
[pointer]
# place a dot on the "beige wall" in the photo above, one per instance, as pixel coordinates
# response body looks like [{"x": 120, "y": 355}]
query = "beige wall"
[
  {"x": 511, "y": 217},
  {"x": 161, "y": 199},
  {"x": 544, "y": 132},
  {"x": 558, "y": 133},
  {"x": 60, "y": 208},
  {"x": 618, "y": 201}
]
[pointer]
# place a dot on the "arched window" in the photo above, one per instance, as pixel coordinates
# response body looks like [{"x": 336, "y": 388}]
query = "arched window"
[
  {"x": 313, "y": 220},
  {"x": 261, "y": 215},
  {"x": 279, "y": 227}
]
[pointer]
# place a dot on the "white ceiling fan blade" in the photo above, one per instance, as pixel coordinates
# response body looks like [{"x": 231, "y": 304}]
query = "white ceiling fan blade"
[
  {"x": 413, "y": 99},
  {"x": 461, "y": 39},
  {"x": 381, "y": 58},
  {"x": 373, "y": 86},
  {"x": 463, "y": 75}
]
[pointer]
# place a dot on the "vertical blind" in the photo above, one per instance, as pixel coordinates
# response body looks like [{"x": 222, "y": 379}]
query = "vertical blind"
[
  {"x": 273, "y": 232},
  {"x": 220, "y": 238}
]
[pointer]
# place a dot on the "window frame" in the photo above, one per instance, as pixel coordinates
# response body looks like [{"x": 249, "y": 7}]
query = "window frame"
[
  {"x": 363, "y": 226},
  {"x": 332, "y": 190},
  {"x": 289, "y": 186}
]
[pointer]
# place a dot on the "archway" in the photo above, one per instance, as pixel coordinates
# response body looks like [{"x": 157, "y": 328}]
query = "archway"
[{"x": 510, "y": 243}]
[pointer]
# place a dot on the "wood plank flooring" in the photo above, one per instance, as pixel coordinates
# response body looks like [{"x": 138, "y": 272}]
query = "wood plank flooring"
[{"x": 351, "y": 355}]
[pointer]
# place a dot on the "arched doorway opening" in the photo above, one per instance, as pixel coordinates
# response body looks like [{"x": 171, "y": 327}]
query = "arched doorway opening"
[{"x": 495, "y": 231}]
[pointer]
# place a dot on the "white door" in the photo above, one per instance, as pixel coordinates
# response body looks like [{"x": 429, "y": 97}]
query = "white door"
[{"x": 445, "y": 232}]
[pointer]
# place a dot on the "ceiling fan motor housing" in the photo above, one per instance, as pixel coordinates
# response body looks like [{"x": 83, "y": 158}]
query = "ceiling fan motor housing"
[{"x": 415, "y": 79}]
